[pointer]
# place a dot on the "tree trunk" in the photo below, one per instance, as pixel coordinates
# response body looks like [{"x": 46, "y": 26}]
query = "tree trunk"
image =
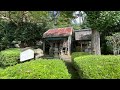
[{"x": 95, "y": 43}]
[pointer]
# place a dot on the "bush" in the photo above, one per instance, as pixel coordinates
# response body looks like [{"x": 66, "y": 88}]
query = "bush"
[
  {"x": 9, "y": 57},
  {"x": 37, "y": 69},
  {"x": 1, "y": 69},
  {"x": 98, "y": 67},
  {"x": 77, "y": 54}
]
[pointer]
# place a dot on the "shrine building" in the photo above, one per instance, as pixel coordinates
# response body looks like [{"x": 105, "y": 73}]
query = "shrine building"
[{"x": 62, "y": 41}]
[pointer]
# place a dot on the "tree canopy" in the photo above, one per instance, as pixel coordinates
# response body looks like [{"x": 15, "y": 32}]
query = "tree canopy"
[
  {"x": 100, "y": 20},
  {"x": 28, "y": 26}
]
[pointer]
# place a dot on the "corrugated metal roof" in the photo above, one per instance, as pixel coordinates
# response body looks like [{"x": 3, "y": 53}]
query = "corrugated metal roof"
[{"x": 58, "y": 32}]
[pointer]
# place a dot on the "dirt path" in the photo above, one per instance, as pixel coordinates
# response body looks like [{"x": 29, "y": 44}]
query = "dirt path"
[
  {"x": 69, "y": 64},
  {"x": 71, "y": 69}
]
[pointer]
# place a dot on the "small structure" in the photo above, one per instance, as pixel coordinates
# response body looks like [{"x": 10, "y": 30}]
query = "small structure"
[
  {"x": 57, "y": 41},
  {"x": 82, "y": 40}
]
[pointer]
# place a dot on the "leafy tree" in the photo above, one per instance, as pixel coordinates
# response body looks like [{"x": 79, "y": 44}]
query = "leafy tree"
[
  {"x": 24, "y": 26},
  {"x": 63, "y": 19},
  {"x": 114, "y": 42},
  {"x": 98, "y": 22}
]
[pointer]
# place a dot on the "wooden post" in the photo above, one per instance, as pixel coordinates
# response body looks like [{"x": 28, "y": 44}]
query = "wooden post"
[
  {"x": 81, "y": 46},
  {"x": 43, "y": 46},
  {"x": 56, "y": 51},
  {"x": 51, "y": 49},
  {"x": 69, "y": 45}
]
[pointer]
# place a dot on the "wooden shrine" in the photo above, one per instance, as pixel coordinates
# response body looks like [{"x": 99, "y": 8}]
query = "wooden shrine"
[{"x": 57, "y": 41}]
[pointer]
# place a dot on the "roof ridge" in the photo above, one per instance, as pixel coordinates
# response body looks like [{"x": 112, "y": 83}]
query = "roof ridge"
[{"x": 62, "y": 28}]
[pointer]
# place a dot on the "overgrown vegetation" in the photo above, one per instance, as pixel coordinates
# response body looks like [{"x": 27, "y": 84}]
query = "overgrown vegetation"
[
  {"x": 114, "y": 43},
  {"x": 98, "y": 67},
  {"x": 9, "y": 57},
  {"x": 37, "y": 69},
  {"x": 99, "y": 21}
]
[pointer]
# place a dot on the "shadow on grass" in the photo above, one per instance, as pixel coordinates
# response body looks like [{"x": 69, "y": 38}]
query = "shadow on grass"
[
  {"x": 2, "y": 66},
  {"x": 70, "y": 67},
  {"x": 72, "y": 70}
]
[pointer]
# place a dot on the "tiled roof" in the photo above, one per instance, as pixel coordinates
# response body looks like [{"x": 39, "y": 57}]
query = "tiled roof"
[{"x": 58, "y": 32}]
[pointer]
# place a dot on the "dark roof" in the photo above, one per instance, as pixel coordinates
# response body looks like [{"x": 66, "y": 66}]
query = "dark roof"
[
  {"x": 84, "y": 34},
  {"x": 58, "y": 32}
]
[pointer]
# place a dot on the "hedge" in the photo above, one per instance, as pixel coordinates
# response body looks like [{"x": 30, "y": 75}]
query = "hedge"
[
  {"x": 9, "y": 57},
  {"x": 1, "y": 69},
  {"x": 37, "y": 69},
  {"x": 77, "y": 54},
  {"x": 98, "y": 67}
]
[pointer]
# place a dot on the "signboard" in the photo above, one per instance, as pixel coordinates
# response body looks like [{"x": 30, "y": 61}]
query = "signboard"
[{"x": 26, "y": 55}]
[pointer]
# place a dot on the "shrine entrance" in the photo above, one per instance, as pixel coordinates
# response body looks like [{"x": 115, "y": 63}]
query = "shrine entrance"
[
  {"x": 57, "y": 42},
  {"x": 55, "y": 47}
]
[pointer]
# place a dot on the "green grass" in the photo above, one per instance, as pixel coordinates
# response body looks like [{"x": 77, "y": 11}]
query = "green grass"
[
  {"x": 9, "y": 57},
  {"x": 98, "y": 67},
  {"x": 1, "y": 69},
  {"x": 37, "y": 69},
  {"x": 77, "y": 54},
  {"x": 11, "y": 51}
]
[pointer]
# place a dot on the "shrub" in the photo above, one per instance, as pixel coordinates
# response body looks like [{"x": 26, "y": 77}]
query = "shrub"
[
  {"x": 9, "y": 57},
  {"x": 1, "y": 69},
  {"x": 37, "y": 69},
  {"x": 77, "y": 54},
  {"x": 98, "y": 67}
]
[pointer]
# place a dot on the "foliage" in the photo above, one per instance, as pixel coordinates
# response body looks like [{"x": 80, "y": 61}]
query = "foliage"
[
  {"x": 1, "y": 69},
  {"x": 30, "y": 32},
  {"x": 100, "y": 20},
  {"x": 9, "y": 57},
  {"x": 7, "y": 34},
  {"x": 37, "y": 69},
  {"x": 84, "y": 25},
  {"x": 64, "y": 20},
  {"x": 28, "y": 26},
  {"x": 77, "y": 54},
  {"x": 24, "y": 26},
  {"x": 39, "y": 16},
  {"x": 98, "y": 67},
  {"x": 114, "y": 42},
  {"x": 105, "y": 50},
  {"x": 76, "y": 27}
]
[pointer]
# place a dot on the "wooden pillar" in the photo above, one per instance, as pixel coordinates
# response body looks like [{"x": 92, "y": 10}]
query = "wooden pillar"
[
  {"x": 56, "y": 55},
  {"x": 51, "y": 49},
  {"x": 43, "y": 46},
  {"x": 81, "y": 46},
  {"x": 69, "y": 45},
  {"x": 61, "y": 48}
]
